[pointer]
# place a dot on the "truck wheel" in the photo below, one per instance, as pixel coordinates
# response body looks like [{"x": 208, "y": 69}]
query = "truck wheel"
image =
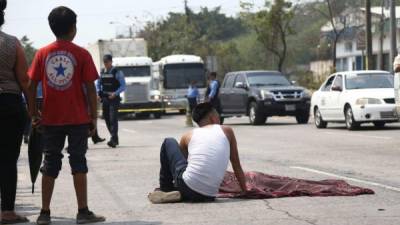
[
  {"x": 351, "y": 124},
  {"x": 318, "y": 121},
  {"x": 379, "y": 124},
  {"x": 221, "y": 120},
  {"x": 255, "y": 117},
  {"x": 157, "y": 115},
  {"x": 303, "y": 117}
]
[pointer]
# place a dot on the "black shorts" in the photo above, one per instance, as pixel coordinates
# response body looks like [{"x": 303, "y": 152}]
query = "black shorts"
[{"x": 54, "y": 139}]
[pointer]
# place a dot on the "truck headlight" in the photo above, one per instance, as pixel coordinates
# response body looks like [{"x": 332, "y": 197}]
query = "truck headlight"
[
  {"x": 122, "y": 96},
  {"x": 266, "y": 94},
  {"x": 155, "y": 97},
  {"x": 368, "y": 101}
]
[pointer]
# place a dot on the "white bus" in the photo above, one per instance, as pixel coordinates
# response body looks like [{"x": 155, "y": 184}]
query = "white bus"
[
  {"x": 176, "y": 72},
  {"x": 141, "y": 96}
]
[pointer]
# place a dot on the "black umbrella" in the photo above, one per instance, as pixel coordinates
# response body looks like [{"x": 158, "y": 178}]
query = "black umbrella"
[{"x": 35, "y": 154}]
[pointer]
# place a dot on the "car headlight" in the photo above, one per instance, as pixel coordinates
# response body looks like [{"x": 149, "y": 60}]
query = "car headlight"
[
  {"x": 266, "y": 95},
  {"x": 306, "y": 94},
  {"x": 368, "y": 101}
]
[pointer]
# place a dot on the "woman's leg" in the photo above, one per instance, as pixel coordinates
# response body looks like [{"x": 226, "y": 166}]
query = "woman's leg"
[{"x": 11, "y": 131}]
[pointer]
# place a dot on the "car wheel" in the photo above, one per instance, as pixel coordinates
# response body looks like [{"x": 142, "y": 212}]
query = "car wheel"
[
  {"x": 318, "y": 121},
  {"x": 303, "y": 117},
  {"x": 255, "y": 117},
  {"x": 351, "y": 124},
  {"x": 182, "y": 111},
  {"x": 379, "y": 124}
]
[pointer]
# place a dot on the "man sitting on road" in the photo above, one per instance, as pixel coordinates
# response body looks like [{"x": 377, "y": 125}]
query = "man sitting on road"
[{"x": 194, "y": 169}]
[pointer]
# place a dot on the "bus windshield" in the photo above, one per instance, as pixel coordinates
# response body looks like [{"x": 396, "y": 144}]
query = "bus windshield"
[
  {"x": 135, "y": 71},
  {"x": 179, "y": 76}
]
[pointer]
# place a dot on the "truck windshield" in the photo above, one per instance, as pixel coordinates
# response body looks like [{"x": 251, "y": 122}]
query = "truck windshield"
[
  {"x": 179, "y": 76},
  {"x": 135, "y": 71},
  {"x": 366, "y": 81},
  {"x": 266, "y": 79}
]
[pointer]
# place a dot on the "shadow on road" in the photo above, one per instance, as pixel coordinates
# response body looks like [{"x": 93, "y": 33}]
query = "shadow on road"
[
  {"x": 133, "y": 147},
  {"x": 367, "y": 128},
  {"x": 263, "y": 125}
]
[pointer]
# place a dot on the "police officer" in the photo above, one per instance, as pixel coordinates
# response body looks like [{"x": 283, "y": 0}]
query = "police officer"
[
  {"x": 110, "y": 85},
  {"x": 212, "y": 92}
]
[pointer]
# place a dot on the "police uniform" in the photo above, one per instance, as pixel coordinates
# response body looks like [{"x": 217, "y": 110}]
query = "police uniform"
[{"x": 110, "y": 84}]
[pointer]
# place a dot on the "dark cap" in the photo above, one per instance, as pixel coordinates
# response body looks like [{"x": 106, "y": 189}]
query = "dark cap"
[
  {"x": 201, "y": 111},
  {"x": 107, "y": 57}
]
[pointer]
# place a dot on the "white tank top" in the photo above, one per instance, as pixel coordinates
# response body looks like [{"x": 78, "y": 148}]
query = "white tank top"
[{"x": 209, "y": 153}]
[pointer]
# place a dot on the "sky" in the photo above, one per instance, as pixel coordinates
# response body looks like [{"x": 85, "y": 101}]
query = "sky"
[{"x": 100, "y": 19}]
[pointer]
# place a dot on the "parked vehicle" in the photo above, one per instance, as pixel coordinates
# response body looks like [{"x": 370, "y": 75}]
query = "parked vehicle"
[
  {"x": 141, "y": 96},
  {"x": 262, "y": 94},
  {"x": 130, "y": 55},
  {"x": 176, "y": 72},
  {"x": 355, "y": 97}
]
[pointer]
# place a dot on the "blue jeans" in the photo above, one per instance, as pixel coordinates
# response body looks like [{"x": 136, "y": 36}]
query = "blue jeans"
[
  {"x": 110, "y": 114},
  {"x": 173, "y": 164}
]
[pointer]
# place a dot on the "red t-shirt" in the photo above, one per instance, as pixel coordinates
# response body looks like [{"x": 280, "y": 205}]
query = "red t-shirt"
[{"x": 63, "y": 68}]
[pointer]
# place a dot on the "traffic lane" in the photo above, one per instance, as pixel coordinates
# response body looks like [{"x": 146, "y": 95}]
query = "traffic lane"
[
  {"x": 332, "y": 165},
  {"x": 369, "y": 154}
]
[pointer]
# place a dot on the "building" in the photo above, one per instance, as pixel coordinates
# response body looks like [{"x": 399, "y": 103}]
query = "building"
[{"x": 350, "y": 48}]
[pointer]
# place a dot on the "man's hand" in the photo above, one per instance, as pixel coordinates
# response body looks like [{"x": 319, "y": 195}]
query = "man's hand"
[
  {"x": 112, "y": 96},
  {"x": 93, "y": 127},
  {"x": 36, "y": 119}
]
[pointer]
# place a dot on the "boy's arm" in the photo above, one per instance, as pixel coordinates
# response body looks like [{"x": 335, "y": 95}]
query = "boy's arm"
[
  {"x": 234, "y": 157},
  {"x": 92, "y": 97},
  {"x": 184, "y": 143}
]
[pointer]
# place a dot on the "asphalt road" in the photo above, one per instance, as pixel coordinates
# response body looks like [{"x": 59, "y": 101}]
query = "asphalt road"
[{"x": 119, "y": 179}]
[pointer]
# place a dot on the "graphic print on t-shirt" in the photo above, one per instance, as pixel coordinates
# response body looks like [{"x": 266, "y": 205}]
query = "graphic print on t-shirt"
[{"x": 60, "y": 70}]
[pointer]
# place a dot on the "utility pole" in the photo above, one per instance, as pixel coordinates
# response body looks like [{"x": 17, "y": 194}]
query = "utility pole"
[
  {"x": 381, "y": 33},
  {"x": 368, "y": 33},
  {"x": 393, "y": 25}
]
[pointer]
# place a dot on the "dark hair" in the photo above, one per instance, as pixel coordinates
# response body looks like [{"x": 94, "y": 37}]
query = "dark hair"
[
  {"x": 201, "y": 111},
  {"x": 213, "y": 74},
  {"x": 61, "y": 21},
  {"x": 3, "y": 6},
  {"x": 107, "y": 57}
]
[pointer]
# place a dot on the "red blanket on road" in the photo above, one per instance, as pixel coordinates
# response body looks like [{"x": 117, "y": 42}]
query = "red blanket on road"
[{"x": 269, "y": 186}]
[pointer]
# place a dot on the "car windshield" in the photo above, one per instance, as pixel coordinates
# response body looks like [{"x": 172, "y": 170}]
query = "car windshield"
[
  {"x": 267, "y": 79},
  {"x": 367, "y": 81},
  {"x": 135, "y": 71},
  {"x": 179, "y": 76}
]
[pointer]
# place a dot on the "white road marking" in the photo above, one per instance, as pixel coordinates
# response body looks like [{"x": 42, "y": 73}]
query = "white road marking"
[
  {"x": 359, "y": 135},
  {"x": 347, "y": 178},
  {"x": 129, "y": 131}
]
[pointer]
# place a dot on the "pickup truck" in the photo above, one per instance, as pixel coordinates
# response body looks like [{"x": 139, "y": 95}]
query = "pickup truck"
[{"x": 262, "y": 94}]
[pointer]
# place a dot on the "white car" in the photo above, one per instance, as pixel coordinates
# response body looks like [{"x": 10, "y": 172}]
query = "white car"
[{"x": 355, "y": 97}]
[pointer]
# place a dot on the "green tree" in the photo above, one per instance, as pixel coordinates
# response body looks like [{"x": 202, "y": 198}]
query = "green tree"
[
  {"x": 30, "y": 51},
  {"x": 273, "y": 26}
]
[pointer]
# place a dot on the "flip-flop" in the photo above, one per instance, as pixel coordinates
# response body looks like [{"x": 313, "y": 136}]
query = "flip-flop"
[{"x": 18, "y": 219}]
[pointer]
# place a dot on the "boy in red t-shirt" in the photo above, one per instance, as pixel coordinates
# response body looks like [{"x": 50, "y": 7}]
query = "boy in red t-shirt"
[{"x": 67, "y": 73}]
